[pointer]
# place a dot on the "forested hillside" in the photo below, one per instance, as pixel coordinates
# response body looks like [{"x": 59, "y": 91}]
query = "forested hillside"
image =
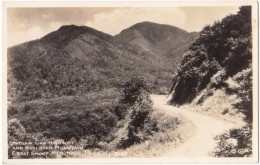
[
  {"x": 221, "y": 55},
  {"x": 160, "y": 40},
  {"x": 215, "y": 78},
  {"x": 76, "y": 60}
]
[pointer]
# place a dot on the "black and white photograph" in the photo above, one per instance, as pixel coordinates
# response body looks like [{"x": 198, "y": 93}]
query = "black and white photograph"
[{"x": 165, "y": 82}]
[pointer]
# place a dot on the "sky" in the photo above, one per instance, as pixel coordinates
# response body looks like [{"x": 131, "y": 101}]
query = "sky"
[{"x": 25, "y": 24}]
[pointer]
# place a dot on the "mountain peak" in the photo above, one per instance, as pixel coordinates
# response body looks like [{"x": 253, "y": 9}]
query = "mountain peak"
[
  {"x": 155, "y": 26},
  {"x": 146, "y": 23},
  {"x": 67, "y": 33},
  {"x": 68, "y": 27},
  {"x": 78, "y": 28},
  {"x": 155, "y": 38}
]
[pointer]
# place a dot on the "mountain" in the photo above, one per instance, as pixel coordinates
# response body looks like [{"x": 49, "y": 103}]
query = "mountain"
[
  {"x": 68, "y": 84},
  {"x": 158, "y": 39},
  {"x": 75, "y": 60},
  {"x": 216, "y": 72}
]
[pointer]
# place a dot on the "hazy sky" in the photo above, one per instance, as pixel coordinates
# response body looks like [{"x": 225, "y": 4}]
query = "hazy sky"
[{"x": 26, "y": 24}]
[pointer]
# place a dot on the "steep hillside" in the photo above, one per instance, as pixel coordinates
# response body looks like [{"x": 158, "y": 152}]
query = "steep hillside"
[
  {"x": 158, "y": 39},
  {"x": 75, "y": 60},
  {"x": 216, "y": 72},
  {"x": 68, "y": 84}
]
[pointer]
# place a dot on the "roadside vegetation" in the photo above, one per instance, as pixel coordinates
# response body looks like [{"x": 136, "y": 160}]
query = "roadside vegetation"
[
  {"x": 215, "y": 78},
  {"x": 100, "y": 122}
]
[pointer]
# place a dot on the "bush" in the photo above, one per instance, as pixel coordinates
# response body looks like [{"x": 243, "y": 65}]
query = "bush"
[
  {"x": 15, "y": 129},
  {"x": 16, "y": 132},
  {"x": 245, "y": 92},
  {"x": 121, "y": 111},
  {"x": 137, "y": 96},
  {"x": 133, "y": 89},
  {"x": 235, "y": 143}
]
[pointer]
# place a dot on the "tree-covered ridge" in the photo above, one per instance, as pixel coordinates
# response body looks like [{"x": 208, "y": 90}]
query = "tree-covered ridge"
[
  {"x": 75, "y": 60},
  {"x": 166, "y": 41},
  {"x": 222, "y": 51}
]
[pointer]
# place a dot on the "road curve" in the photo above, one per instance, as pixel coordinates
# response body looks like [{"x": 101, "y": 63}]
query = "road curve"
[{"x": 202, "y": 142}]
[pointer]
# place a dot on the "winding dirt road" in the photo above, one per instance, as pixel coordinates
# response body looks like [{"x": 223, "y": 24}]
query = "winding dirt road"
[{"x": 202, "y": 142}]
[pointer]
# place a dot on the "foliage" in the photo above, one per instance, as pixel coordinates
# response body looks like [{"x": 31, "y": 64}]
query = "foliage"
[
  {"x": 133, "y": 89},
  {"x": 216, "y": 73},
  {"x": 15, "y": 129},
  {"x": 17, "y": 133},
  {"x": 140, "y": 124},
  {"x": 218, "y": 48},
  {"x": 235, "y": 143},
  {"x": 70, "y": 117},
  {"x": 170, "y": 131},
  {"x": 75, "y": 60},
  {"x": 213, "y": 58},
  {"x": 35, "y": 145},
  {"x": 245, "y": 93},
  {"x": 97, "y": 123}
]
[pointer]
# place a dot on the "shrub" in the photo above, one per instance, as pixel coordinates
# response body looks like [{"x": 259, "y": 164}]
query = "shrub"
[
  {"x": 133, "y": 89},
  {"x": 137, "y": 96},
  {"x": 235, "y": 143},
  {"x": 15, "y": 129},
  {"x": 16, "y": 132},
  {"x": 245, "y": 92},
  {"x": 121, "y": 111}
]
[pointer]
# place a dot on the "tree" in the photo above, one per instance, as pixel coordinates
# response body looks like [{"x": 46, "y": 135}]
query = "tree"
[
  {"x": 16, "y": 132},
  {"x": 218, "y": 48},
  {"x": 133, "y": 89},
  {"x": 245, "y": 93},
  {"x": 136, "y": 95}
]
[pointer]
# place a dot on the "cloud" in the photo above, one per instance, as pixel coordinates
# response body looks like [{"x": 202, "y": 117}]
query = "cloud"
[
  {"x": 187, "y": 18},
  {"x": 19, "y": 35},
  {"x": 198, "y": 17},
  {"x": 123, "y": 18},
  {"x": 25, "y": 24}
]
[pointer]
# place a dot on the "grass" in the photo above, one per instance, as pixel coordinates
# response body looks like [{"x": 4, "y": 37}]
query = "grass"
[
  {"x": 218, "y": 105},
  {"x": 172, "y": 132}
]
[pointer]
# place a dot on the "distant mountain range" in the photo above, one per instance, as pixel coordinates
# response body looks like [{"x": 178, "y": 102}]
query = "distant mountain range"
[{"x": 77, "y": 59}]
